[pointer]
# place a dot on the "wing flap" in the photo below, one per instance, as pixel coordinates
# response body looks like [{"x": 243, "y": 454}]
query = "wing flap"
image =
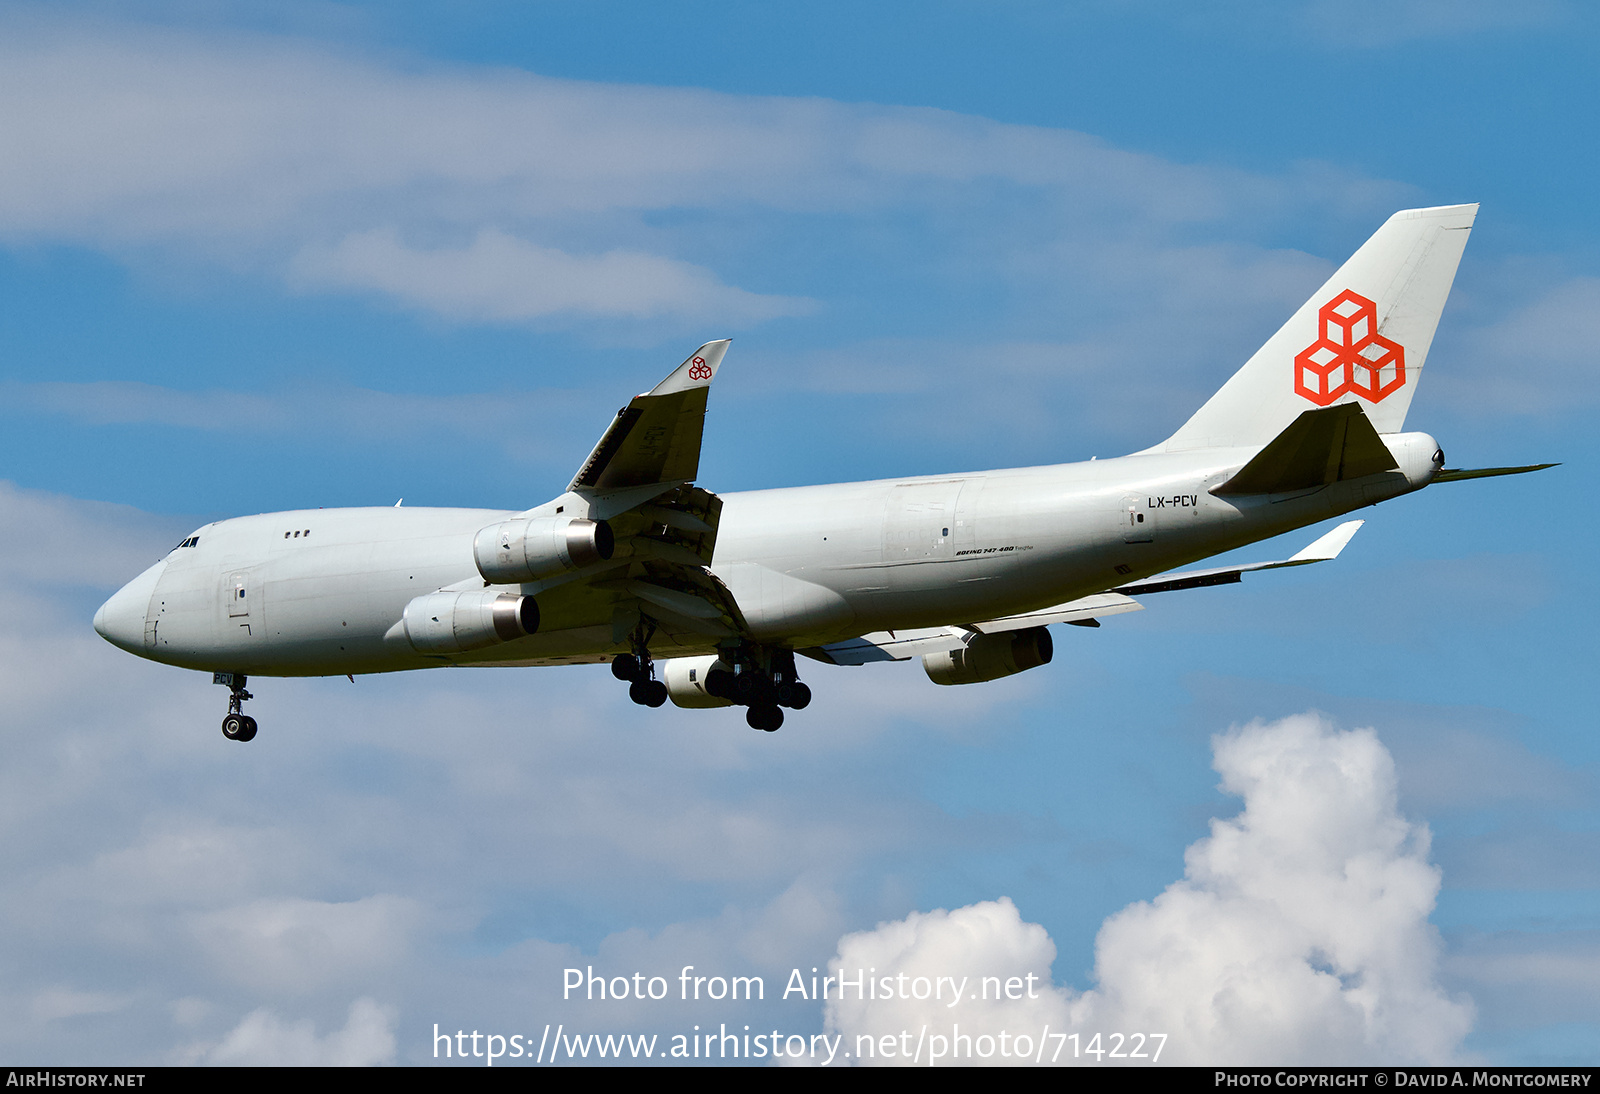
[
  {"x": 1083, "y": 610},
  {"x": 904, "y": 645}
]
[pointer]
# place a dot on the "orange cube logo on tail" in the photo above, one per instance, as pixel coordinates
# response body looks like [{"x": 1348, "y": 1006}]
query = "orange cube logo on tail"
[{"x": 1350, "y": 355}]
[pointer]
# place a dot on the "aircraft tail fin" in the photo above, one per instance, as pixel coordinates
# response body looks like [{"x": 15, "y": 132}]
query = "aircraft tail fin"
[{"x": 1362, "y": 338}]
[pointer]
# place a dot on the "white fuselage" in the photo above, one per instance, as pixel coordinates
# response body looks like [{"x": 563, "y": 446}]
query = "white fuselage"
[{"x": 322, "y": 592}]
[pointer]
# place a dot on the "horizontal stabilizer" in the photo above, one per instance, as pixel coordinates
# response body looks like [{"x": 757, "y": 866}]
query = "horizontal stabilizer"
[
  {"x": 1319, "y": 447},
  {"x": 1454, "y": 474},
  {"x": 1322, "y": 550}
]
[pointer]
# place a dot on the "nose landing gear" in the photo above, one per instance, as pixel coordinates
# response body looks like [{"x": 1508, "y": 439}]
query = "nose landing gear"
[{"x": 237, "y": 726}]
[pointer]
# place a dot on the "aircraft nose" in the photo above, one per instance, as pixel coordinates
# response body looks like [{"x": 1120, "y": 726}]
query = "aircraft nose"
[{"x": 120, "y": 620}]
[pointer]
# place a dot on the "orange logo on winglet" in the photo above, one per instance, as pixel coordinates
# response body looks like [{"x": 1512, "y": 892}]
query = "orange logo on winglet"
[{"x": 1350, "y": 355}]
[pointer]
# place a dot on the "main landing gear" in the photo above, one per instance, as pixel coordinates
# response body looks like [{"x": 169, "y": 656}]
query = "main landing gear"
[
  {"x": 237, "y": 726},
  {"x": 639, "y": 670},
  {"x": 762, "y": 680},
  {"x": 764, "y": 690}
]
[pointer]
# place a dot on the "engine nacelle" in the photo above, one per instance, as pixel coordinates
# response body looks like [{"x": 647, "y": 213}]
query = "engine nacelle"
[
  {"x": 456, "y": 622},
  {"x": 991, "y": 656},
  {"x": 698, "y": 681},
  {"x": 515, "y": 551}
]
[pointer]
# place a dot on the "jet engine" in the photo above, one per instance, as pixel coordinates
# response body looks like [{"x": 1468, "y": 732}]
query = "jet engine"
[
  {"x": 698, "y": 681},
  {"x": 454, "y": 622},
  {"x": 532, "y": 548},
  {"x": 990, "y": 656}
]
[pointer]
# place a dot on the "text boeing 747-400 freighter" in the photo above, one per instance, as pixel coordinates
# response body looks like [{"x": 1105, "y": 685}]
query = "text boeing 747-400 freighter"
[{"x": 705, "y": 599}]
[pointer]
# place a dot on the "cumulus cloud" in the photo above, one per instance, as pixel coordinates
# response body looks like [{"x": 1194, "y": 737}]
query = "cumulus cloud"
[
  {"x": 1298, "y": 934},
  {"x": 985, "y": 955},
  {"x": 445, "y": 843}
]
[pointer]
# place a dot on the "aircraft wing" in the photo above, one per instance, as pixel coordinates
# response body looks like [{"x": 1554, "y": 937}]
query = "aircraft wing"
[
  {"x": 903, "y": 645},
  {"x": 1083, "y": 612},
  {"x": 1323, "y": 549},
  {"x": 639, "y": 480},
  {"x": 656, "y": 437}
]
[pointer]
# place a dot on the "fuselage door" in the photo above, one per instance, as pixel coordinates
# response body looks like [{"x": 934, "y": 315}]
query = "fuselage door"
[
  {"x": 918, "y": 520},
  {"x": 1137, "y": 526},
  {"x": 239, "y": 591}
]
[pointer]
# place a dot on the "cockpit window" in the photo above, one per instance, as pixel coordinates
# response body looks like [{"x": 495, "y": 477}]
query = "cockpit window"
[{"x": 190, "y": 542}]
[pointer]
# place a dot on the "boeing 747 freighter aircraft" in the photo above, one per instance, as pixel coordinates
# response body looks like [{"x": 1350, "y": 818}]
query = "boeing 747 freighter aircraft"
[{"x": 706, "y": 599}]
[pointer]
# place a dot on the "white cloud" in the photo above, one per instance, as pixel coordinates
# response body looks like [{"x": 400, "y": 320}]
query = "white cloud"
[
  {"x": 1298, "y": 935},
  {"x": 57, "y": 1003},
  {"x": 263, "y": 1039},
  {"x": 55, "y": 541},
  {"x": 487, "y": 194},
  {"x": 297, "y": 945},
  {"x": 439, "y": 841},
  {"x": 500, "y": 277},
  {"x": 1535, "y": 358},
  {"x": 942, "y": 956},
  {"x": 336, "y": 413}
]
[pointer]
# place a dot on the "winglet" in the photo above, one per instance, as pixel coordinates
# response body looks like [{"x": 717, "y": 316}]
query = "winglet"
[
  {"x": 655, "y": 439},
  {"x": 1329, "y": 546},
  {"x": 698, "y": 371}
]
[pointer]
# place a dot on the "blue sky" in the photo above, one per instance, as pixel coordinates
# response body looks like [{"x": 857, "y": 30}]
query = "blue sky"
[{"x": 255, "y": 258}]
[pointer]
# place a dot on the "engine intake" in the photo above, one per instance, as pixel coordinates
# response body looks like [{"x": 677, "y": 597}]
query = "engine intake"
[
  {"x": 991, "y": 656},
  {"x": 533, "y": 548},
  {"x": 456, "y": 622}
]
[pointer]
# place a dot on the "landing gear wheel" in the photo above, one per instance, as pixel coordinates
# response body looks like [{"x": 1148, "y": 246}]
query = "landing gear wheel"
[
  {"x": 625, "y": 666},
  {"x": 795, "y": 696},
  {"x": 237, "y": 726},
  {"x": 648, "y": 693},
  {"x": 766, "y": 718}
]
